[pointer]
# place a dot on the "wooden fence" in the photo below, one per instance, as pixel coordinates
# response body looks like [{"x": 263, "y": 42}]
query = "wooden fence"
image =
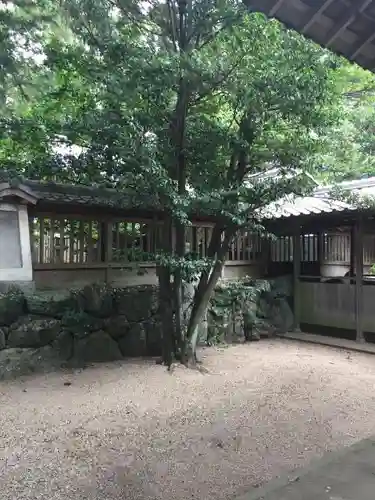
[
  {"x": 82, "y": 241},
  {"x": 335, "y": 248},
  {"x": 333, "y": 305}
]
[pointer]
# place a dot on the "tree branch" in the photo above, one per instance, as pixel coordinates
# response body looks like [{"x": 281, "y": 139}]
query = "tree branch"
[
  {"x": 360, "y": 93},
  {"x": 210, "y": 36},
  {"x": 217, "y": 83},
  {"x": 173, "y": 23}
]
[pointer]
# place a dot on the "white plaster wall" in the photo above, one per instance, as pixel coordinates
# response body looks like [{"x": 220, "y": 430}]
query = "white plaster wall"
[
  {"x": 334, "y": 270},
  {"x": 233, "y": 271},
  {"x": 338, "y": 270},
  {"x": 25, "y": 272}
]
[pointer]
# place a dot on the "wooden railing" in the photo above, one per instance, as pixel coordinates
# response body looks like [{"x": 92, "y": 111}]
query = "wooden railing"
[
  {"x": 84, "y": 241},
  {"x": 245, "y": 247},
  {"x": 335, "y": 248},
  {"x": 79, "y": 241},
  {"x": 282, "y": 248}
]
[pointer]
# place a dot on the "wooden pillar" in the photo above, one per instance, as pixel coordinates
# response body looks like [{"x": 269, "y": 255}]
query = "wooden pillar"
[
  {"x": 353, "y": 236},
  {"x": 174, "y": 238},
  {"x": 106, "y": 243},
  {"x": 266, "y": 254},
  {"x": 358, "y": 249},
  {"x": 320, "y": 249},
  {"x": 296, "y": 277}
]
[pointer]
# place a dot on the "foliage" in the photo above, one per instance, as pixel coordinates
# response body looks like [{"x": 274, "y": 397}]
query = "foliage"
[
  {"x": 184, "y": 100},
  {"x": 235, "y": 303},
  {"x": 236, "y": 293},
  {"x": 350, "y": 143}
]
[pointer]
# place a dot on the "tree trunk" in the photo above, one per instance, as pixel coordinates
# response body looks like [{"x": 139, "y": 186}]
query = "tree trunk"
[
  {"x": 178, "y": 289},
  {"x": 166, "y": 315},
  {"x": 178, "y": 126},
  {"x": 202, "y": 297},
  {"x": 189, "y": 356},
  {"x": 213, "y": 249},
  {"x": 166, "y": 296}
]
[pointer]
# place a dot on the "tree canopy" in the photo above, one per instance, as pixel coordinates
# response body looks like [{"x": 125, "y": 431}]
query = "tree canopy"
[{"x": 185, "y": 99}]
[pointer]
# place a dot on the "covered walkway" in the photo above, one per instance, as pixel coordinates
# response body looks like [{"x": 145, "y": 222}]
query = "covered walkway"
[{"x": 340, "y": 343}]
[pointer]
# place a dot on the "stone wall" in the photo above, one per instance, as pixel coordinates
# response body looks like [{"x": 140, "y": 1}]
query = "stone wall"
[
  {"x": 248, "y": 309},
  {"x": 47, "y": 330}
]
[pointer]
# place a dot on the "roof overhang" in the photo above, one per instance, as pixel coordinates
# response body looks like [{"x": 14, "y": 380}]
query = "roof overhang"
[
  {"x": 19, "y": 192},
  {"x": 347, "y": 27}
]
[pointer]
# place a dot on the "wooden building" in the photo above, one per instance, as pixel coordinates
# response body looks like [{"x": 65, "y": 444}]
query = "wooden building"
[
  {"x": 62, "y": 236},
  {"x": 74, "y": 235},
  {"x": 346, "y": 27},
  {"x": 329, "y": 246}
]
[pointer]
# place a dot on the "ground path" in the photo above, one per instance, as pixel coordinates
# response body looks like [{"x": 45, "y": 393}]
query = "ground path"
[{"x": 132, "y": 430}]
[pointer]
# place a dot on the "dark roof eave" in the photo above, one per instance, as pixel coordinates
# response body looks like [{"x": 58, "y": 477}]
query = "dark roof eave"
[
  {"x": 348, "y": 30},
  {"x": 322, "y": 221}
]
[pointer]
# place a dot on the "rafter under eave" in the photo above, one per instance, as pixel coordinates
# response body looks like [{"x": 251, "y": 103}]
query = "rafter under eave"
[{"x": 352, "y": 32}]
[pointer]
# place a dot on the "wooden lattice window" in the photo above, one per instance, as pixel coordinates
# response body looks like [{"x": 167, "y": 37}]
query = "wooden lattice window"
[
  {"x": 245, "y": 247},
  {"x": 65, "y": 241},
  {"x": 282, "y": 249},
  {"x": 336, "y": 247},
  {"x": 309, "y": 248},
  {"x": 369, "y": 249},
  {"x": 134, "y": 241},
  {"x": 198, "y": 239}
]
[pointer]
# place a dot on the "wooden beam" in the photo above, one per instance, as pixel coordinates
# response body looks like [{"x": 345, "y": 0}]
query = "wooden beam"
[
  {"x": 352, "y": 250},
  {"x": 320, "y": 248},
  {"x": 345, "y": 21},
  {"x": 61, "y": 222},
  {"x": 358, "y": 246},
  {"x": 41, "y": 241},
  {"x": 316, "y": 16},
  {"x": 107, "y": 241},
  {"x": 361, "y": 45},
  {"x": 296, "y": 277},
  {"x": 275, "y": 8}
]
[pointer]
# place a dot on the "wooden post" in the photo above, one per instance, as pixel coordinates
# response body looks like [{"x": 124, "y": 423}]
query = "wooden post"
[
  {"x": 353, "y": 236},
  {"x": 320, "y": 252},
  {"x": 296, "y": 277},
  {"x": 173, "y": 229},
  {"x": 107, "y": 242},
  {"x": 358, "y": 248},
  {"x": 266, "y": 254}
]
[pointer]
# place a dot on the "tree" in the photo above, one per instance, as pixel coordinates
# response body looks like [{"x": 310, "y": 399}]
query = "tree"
[
  {"x": 350, "y": 143},
  {"x": 186, "y": 100}
]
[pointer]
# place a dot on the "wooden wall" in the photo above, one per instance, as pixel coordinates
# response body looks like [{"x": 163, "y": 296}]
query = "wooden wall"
[
  {"x": 71, "y": 251},
  {"x": 77, "y": 277},
  {"x": 333, "y": 305}
]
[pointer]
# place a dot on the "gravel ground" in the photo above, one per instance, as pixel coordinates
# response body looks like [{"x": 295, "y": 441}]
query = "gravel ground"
[{"x": 133, "y": 431}]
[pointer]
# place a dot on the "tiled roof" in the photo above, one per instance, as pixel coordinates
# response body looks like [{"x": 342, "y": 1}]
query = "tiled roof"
[
  {"x": 321, "y": 201},
  {"x": 90, "y": 196},
  {"x": 307, "y": 205}
]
